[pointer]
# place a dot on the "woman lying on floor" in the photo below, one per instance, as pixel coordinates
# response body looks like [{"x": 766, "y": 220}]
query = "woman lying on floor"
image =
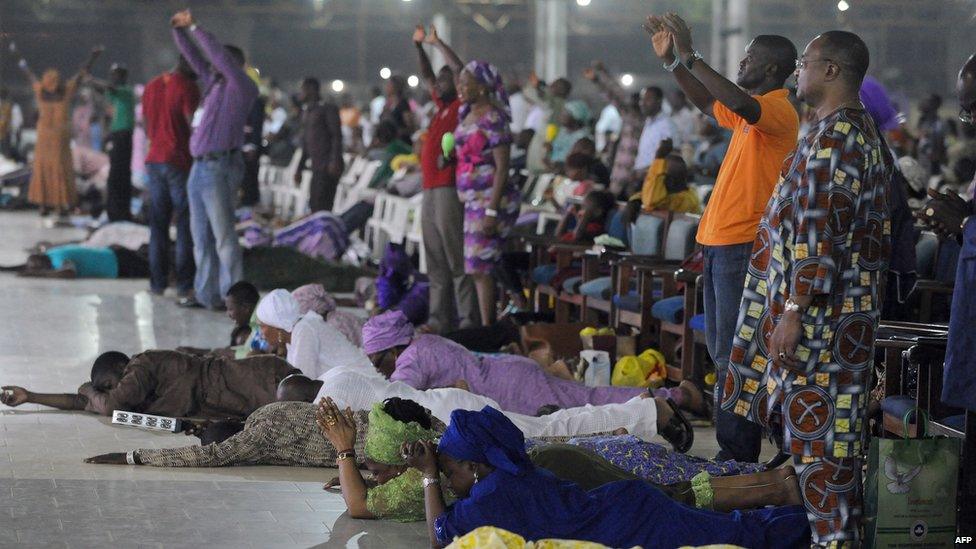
[
  {"x": 314, "y": 297},
  {"x": 517, "y": 383},
  {"x": 75, "y": 261},
  {"x": 396, "y": 491},
  {"x": 307, "y": 341},
  {"x": 284, "y": 433},
  {"x": 482, "y": 457}
]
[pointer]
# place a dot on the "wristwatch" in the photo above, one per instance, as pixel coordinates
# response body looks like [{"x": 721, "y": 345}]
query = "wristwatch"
[
  {"x": 695, "y": 56},
  {"x": 428, "y": 481},
  {"x": 794, "y": 307},
  {"x": 674, "y": 64}
]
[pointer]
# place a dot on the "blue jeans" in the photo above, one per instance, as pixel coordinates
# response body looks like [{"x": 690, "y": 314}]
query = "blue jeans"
[
  {"x": 213, "y": 187},
  {"x": 724, "y": 274},
  {"x": 168, "y": 202}
]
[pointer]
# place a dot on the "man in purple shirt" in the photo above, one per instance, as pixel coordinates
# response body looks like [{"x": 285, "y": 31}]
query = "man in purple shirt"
[{"x": 218, "y": 165}]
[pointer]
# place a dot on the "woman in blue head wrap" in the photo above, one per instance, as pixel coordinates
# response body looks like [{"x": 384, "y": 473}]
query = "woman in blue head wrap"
[
  {"x": 491, "y": 202},
  {"x": 482, "y": 456}
]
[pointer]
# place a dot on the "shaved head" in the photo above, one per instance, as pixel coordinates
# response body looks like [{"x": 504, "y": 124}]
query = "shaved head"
[{"x": 298, "y": 388}]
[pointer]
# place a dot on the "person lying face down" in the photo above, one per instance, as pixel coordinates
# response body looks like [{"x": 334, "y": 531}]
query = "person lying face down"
[
  {"x": 398, "y": 492},
  {"x": 309, "y": 435},
  {"x": 483, "y": 460},
  {"x": 357, "y": 389},
  {"x": 306, "y": 340},
  {"x": 515, "y": 382},
  {"x": 168, "y": 383},
  {"x": 76, "y": 261}
]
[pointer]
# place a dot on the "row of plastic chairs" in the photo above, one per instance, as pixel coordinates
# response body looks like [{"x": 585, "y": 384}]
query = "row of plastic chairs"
[
  {"x": 396, "y": 219},
  {"x": 289, "y": 201},
  {"x": 354, "y": 183}
]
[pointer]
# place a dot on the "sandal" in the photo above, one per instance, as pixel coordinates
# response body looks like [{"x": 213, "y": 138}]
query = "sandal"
[{"x": 678, "y": 431}]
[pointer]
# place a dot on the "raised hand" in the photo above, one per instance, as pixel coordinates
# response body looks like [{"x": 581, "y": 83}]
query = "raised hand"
[
  {"x": 432, "y": 37},
  {"x": 661, "y": 38},
  {"x": 680, "y": 33},
  {"x": 181, "y": 19},
  {"x": 13, "y": 396},
  {"x": 419, "y": 34}
]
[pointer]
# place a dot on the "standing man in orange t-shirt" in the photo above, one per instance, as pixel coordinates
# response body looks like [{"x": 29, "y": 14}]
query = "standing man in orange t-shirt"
[{"x": 765, "y": 126}]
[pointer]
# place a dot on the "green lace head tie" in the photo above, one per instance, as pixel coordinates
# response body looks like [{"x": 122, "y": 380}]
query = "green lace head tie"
[{"x": 385, "y": 435}]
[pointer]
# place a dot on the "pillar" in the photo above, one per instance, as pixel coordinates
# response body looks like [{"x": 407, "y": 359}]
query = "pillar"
[
  {"x": 736, "y": 34},
  {"x": 551, "y": 38},
  {"x": 716, "y": 57},
  {"x": 443, "y": 27}
]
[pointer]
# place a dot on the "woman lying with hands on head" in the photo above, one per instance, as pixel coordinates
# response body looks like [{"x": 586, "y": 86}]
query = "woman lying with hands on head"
[
  {"x": 400, "y": 430},
  {"x": 482, "y": 456}
]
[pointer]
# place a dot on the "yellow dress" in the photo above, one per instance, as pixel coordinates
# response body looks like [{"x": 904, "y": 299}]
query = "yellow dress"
[{"x": 53, "y": 180}]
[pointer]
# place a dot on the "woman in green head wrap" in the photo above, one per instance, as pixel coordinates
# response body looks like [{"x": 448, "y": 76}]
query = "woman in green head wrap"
[
  {"x": 395, "y": 492},
  {"x": 575, "y": 125}
]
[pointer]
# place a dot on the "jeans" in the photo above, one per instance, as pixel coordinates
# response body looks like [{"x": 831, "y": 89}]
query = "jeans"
[
  {"x": 118, "y": 202},
  {"x": 724, "y": 274},
  {"x": 212, "y": 188},
  {"x": 168, "y": 202}
]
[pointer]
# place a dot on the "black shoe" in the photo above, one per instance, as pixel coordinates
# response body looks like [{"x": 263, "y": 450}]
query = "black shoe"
[
  {"x": 678, "y": 431},
  {"x": 189, "y": 303}
]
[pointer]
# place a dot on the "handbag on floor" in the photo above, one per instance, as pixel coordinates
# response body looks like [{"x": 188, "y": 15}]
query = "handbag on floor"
[{"x": 910, "y": 490}]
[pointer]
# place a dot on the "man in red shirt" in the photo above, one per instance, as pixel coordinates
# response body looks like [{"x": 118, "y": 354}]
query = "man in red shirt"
[
  {"x": 453, "y": 301},
  {"x": 168, "y": 103}
]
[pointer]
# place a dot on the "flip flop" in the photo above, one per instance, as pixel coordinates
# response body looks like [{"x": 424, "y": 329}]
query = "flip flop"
[{"x": 678, "y": 431}]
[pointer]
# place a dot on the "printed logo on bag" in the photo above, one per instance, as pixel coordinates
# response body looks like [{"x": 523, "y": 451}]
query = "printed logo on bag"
[
  {"x": 901, "y": 482},
  {"x": 919, "y": 529}
]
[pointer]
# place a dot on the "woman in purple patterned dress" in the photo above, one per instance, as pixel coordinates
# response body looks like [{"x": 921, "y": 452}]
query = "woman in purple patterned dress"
[{"x": 491, "y": 203}]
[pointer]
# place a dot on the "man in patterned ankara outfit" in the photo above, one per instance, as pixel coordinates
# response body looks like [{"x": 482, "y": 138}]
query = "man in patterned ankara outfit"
[{"x": 801, "y": 356}]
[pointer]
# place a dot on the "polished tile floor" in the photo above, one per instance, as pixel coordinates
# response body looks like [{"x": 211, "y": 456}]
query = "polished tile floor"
[{"x": 50, "y": 331}]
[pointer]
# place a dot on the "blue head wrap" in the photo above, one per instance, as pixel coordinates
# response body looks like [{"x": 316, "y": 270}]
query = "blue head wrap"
[{"x": 486, "y": 437}]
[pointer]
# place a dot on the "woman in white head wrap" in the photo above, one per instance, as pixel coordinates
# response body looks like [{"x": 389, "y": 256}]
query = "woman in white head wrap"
[{"x": 305, "y": 340}]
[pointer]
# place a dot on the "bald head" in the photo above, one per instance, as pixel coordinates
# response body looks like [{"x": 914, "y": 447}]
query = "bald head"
[{"x": 298, "y": 388}]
